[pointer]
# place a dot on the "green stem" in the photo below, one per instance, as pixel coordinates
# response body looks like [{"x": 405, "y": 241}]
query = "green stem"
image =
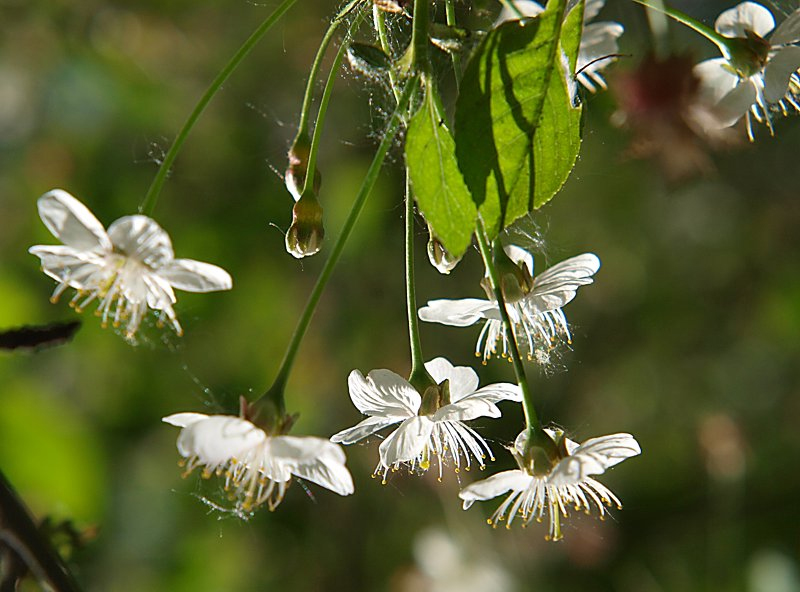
[
  {"x": 275, "y": 394},
  {"x": 419, "y": 36},
  {"x": 323, "y": 106},
  {"x": 722, "y": 42},
  {"x": 418, "y": 377},
  {"x": 383, "y": 37},
  {"x": 305, "y": 112},
  {"x": 450, "y": 14},
  {"x": 149, "y": 202},
  {"x": 532, "y": 422}
]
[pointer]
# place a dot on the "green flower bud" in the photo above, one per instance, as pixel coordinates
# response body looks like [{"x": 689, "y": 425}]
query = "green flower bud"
[
  {"x": 304, "y": 237},
  {"x": 295, "y": 175}
]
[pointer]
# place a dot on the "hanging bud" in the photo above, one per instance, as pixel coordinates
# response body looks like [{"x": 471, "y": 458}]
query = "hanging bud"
[
  {"x": 304, "y": 237},
  {"x": 295, "y": 175},
  {"x": 368, "y": 59},
  {"x": 515, "y": 279},
  {"x": 440, "y": 257}
]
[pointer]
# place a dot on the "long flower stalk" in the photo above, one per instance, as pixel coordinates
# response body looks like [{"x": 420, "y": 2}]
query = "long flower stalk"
[{"x": 151, "y": 197}]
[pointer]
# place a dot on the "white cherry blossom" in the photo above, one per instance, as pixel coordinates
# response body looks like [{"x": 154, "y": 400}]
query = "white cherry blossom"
[
  {"x": 758, "y": 75},
  {"x": 537, "y": 318},
  {"x": 598, "y": 46},
  {"x": 258, "y": 468},
  {"x": 567, "y": 482},
  {"x": 431, "y": 423},
  {"x": 127, "y": 270}
]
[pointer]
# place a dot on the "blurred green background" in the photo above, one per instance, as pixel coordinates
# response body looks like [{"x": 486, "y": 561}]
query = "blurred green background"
[{"x": 689, "y": 339}]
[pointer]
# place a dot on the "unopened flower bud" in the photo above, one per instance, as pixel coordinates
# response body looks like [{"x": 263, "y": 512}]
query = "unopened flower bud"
[
  {"x": 295, "y": 176},
  {"x": 305, "y": 235},
  {"x": 440, "y": 257}
]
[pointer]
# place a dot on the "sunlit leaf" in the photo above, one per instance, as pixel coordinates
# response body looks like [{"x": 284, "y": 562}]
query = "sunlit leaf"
[
  {"x": 517, "y": 129},
  {"x": 442, "y": 195}
]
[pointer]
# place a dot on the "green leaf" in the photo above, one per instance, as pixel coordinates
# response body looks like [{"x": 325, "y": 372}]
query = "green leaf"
[
  {"x": 442, "y": 195},
  {"x": 557, "y": 140},
  {"x": 517, "y": 132}
]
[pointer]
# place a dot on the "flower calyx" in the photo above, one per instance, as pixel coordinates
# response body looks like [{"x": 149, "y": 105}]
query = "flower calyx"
[
  {"x": 264, "y": 414},
  {"x": 748, "y": 54},
  {"x": 537, "y": 452},
  {"x": 304, "y": 237},
  {"x": 515, "y": 279},
  {"x": 434, "y": 398}
]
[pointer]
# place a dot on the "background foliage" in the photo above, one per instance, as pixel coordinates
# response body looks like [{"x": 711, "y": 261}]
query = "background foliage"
[{"x": 689, "y": 338}]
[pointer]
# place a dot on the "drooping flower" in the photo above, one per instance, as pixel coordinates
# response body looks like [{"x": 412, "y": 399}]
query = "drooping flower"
[
  {"x": 758, "y": 75},
  {"x": 257, "y": 467},
  {"x": 660, "y": 102},
  {"x": 536, "y": 316},
  {"x": 431, "y": 423},
  {"x": 557, "y": 484},
  {"x": 598, "y": 46},
  {"x": 127, "y": 270}
]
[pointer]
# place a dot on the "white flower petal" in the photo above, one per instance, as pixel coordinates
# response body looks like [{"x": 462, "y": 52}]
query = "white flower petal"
[
  {"x": 735, "y": 21},
  {"x": 456, "y": 313},
  {"x": 183, "y": 420},
  {"x": 218, "y": 438},
  {"x": 557, "y": 285},
  {"x": 519, "y": 255},
  {"x": 71, "y": 222},
  {"x": 480, "y": 403},
  {"x": 733, "y": 106},
  {"x": 407, "y": 442},
  {"x": 495, "y": 485},
  {"x": 594, "y": 457},
  {"x": 788, "y": 31},
  {"x": 384, "y": 394},
  {"x": 195, "y": 276},
  {"x": 599, "y": 41},
  {"x": 364, "y": 429},
  {"x": 141, "y": 238},
  {"x": 528, "y": 8},
  {"x": 329, "y": 474},
  {"x": 68, "y": 265},
  {"x": 463, "y": 380},
  {"x": 777, "y": 72},
  {"x": 716, "y": 79},
  {"x": 592, "y": 8},
  {"x": 314, "y": 459}
]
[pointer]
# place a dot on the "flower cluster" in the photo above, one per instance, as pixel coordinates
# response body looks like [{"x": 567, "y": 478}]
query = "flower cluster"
[{"x": 428, "y": 418}]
